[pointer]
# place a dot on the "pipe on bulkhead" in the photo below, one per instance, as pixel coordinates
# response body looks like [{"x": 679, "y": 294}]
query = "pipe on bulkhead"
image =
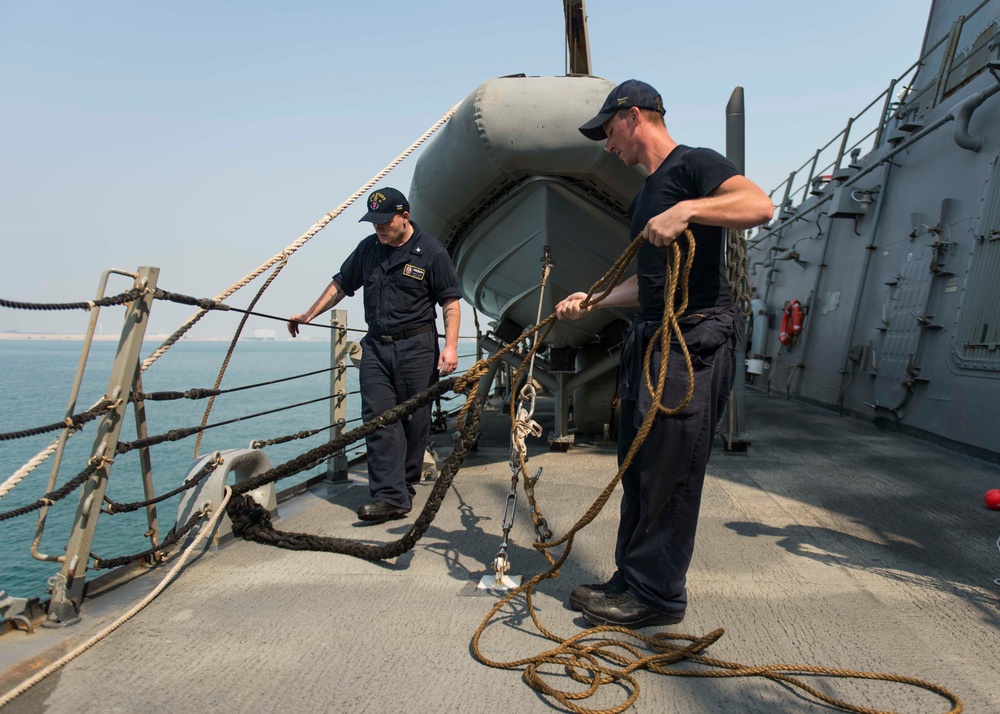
[
  {"x": 758, "y": 342},
  {"x": 866, "y": 264},
  {"x": 963, "y": 115}
]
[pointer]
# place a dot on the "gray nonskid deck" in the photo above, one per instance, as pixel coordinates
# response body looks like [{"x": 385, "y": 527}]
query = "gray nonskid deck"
[{"x": 830, "y": 543}]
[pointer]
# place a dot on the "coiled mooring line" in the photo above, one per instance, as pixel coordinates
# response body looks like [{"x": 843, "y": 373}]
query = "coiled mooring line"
[{"x": 593, "y": 659}]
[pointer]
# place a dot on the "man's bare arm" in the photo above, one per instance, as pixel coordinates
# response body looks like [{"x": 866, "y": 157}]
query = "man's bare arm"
[
  {"x": 330, "y": 297},
  {"x": 448, "y": 361},
  {"x": 625, "y": 294},
  {"x": 738, "y": 203}
]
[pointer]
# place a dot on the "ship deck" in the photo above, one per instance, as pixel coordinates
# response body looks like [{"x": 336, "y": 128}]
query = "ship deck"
[{"x": 829, "y": 543}]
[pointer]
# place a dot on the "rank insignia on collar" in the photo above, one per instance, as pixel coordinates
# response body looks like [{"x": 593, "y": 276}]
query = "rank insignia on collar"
[{"x": 412, "y": 271}]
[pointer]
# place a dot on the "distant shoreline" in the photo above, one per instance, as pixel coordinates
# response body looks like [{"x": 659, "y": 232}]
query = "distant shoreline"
[{"x": 68, "y": 337}]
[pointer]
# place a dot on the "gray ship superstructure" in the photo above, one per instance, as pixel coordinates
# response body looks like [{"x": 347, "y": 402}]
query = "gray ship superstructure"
[{"x": 893, "y": 255}]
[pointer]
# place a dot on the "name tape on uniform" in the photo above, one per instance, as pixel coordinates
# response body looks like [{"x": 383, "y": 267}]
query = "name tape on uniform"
[{"x": 412, "y": 271}]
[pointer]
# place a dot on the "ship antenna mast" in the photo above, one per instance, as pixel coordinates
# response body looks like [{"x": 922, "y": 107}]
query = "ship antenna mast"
[{"x": 577, "y": 43}]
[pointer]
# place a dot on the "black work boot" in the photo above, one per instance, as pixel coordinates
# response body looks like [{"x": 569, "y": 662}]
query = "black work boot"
[{"x": 582, "y": 595}]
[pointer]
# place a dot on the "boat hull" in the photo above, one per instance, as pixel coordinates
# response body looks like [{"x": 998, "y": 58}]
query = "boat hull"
[{"x": 510, "y": 179}]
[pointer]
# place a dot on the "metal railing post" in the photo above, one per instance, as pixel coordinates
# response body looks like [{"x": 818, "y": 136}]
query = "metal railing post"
[
  {"x": 736, "y": 438},
  {"x": 88, "y": 340},
  {"x": 788, "y": 188},
  {"x": 812, "y": 175},
  {"x": 68, "y": 585},
  {"x": 884, "y": 121},
  {"x": 843, "y": 145},
  {"x": 146, "y": 462},
  {"x": 336, "y": 466}
]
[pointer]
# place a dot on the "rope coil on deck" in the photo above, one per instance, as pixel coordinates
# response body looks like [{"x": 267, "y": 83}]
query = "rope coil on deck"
[{"x": 252, "y": 522}]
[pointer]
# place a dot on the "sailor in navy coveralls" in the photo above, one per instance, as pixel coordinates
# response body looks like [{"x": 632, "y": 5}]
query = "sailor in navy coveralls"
[
  {"x": 405, "y": 273},
  {"x": 687, "y": 188}
]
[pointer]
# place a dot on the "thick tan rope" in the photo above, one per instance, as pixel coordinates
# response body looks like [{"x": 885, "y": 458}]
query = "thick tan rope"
[
  {"x": 300, "y": 241},
  {"x": 584, "y": 659},
  {"x": 30, "y": 466},
  {"x": 739, "y": 288},
  {"x": 593, "y": 664},
  {"x": 232, "y": 348},
  {"x": 736, "y": 268}
]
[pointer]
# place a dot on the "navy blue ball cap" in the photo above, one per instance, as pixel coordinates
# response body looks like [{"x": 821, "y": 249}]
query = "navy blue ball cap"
[
  {"x": 630, "y": 93},
  {"x": 383, "y": 204}
]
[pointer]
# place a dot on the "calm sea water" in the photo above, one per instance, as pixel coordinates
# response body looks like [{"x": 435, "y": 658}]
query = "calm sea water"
[{"x": 36, "y": 377}]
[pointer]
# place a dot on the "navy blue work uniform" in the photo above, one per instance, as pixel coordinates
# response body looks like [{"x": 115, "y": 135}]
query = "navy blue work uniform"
[
  {"x": 662, "y": 487},
  {"x": 402, "y": 287}
]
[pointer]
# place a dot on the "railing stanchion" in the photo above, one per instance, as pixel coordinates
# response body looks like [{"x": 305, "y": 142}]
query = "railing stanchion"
[
  {"x": 68, "y": 586},
  {"x": 145, "y": 460},
  {"x": 336, "y": 467}
]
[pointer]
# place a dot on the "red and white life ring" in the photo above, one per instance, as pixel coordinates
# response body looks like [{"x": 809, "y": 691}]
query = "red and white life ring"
[{"x": 791, "y": 322}]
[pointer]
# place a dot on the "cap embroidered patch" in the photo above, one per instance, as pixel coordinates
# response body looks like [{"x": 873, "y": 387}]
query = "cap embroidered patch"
[
  {"x": 412, "y": 271},
  {"x": 383, "y": 204}
]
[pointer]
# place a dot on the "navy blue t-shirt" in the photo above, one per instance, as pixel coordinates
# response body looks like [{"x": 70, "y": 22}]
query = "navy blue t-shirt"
[
  {"x": 685, "y": 174},
  {"x": 401, "y": 285}
]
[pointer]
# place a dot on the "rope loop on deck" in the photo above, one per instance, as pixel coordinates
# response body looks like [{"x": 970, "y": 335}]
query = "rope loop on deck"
[{"x": 252, "y": 522}]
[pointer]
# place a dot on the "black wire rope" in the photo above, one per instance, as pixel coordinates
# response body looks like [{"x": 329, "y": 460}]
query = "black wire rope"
[
  {"x": 53, "y": 496},
  {"x": 184, "y": 432},
  {"x": 174, "y": 536},
  {"x": 203, "y": 393},
  {"x": 120, "y": 299},
  {"x": 74, "y": 422},
  {"x": 261, "y": 443},
  {"x": 208, "y": 304},
  {"x": 208, "y": 468}
]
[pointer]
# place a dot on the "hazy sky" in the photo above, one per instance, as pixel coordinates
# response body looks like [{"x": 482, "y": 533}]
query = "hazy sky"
[{"x": 204, "y": 137}]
